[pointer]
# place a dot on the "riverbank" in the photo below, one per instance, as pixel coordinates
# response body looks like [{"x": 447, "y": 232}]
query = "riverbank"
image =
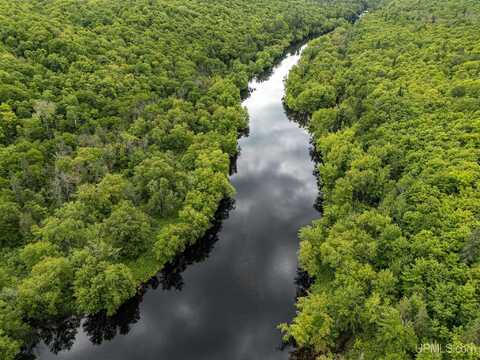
[{"x": 394, "y": 117}]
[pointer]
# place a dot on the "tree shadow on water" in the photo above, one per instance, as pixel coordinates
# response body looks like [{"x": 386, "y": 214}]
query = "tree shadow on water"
[
  {"x": 59, "y": 335},
  {"x": 303, "y": 281},
  {"x": 302, "y": 120},
  {"x": 171, "y": 275},
  {"x": 100, "y": 327}
]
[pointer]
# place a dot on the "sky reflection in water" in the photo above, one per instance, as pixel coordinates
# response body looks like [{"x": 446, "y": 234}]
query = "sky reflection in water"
[{"x": 230, "y": 304}]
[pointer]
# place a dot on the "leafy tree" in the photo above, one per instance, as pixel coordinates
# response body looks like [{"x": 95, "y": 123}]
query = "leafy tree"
[
  {"x": 100, "y": 285},
  {"x": 316, "y": 96},
  {"x": 8, "y": 123},
  {"x": 128, "y": 229},
  {"x": 42, "y": 295},
  {"x": 33, "y": 253},
  {"x": 9, "y": 223},
  {"x": 8, "y": 347}
]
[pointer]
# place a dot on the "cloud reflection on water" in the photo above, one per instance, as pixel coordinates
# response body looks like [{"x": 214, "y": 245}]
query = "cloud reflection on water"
[{"x": 228, "y": 306}]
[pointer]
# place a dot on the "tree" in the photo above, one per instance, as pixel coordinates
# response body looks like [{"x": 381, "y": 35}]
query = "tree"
[
  {"x": 224, "y": 92},
  {"x": 8, "y": 123},
  {"x": 324, "y": 121},
  {"x": 160, "y": 184},
  {"x": 9, "y": 347},
  {"x": 102, "y": 286},
  {"x": 68, "y": 228},
  {"x": 128, "y": 229},
  {"x": 12, "y": 327},
  {"x": 314, "y": 324},
  {"x": 316, "y": 96},
  {"x": 33, "y": 253},
  {"x": 46, "y": 292},
  {"x": 9, "y": 224},
  {"x": 107, "y": 193}
]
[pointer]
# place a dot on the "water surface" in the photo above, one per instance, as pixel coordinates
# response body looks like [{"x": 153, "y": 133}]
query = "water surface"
[{"x": 224, "y": 298}]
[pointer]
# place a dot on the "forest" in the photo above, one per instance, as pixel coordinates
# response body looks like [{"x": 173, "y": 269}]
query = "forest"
[
  {"x": 393, "y": 103},
  {"x": 118, "y": 122}
]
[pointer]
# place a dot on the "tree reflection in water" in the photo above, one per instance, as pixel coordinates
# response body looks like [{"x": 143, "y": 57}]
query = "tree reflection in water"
[
  {"x": 100, "y": 327},
  {"x": 302, "y": 120},
  {"x": 171, "y": 276},
  {"x": 303, "y": 280},
  {"x": 57, "y": 335},
  {"x": 60, "y": 335}
]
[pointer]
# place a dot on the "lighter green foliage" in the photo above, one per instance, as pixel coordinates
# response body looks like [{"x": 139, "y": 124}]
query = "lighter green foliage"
[
  {"x": 99, "y": 285},
  {"x": 396, "y": 253},
  {"x": 42, "y": 295}
]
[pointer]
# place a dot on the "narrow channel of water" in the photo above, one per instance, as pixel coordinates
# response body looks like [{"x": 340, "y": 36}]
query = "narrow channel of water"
[{"x": 224, "y": 298}]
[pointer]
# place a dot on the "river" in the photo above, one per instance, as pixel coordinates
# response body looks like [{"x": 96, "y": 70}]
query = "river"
[{"x": 224, "y": 298}]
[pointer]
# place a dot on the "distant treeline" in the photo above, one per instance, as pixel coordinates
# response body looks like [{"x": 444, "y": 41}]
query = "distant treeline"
[
  {"x": 118, "y": 120},
  {"x": 394, "y": 106}
]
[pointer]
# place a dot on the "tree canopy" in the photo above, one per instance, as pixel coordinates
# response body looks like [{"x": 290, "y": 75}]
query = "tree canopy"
[{"x": 395, "y": 256}]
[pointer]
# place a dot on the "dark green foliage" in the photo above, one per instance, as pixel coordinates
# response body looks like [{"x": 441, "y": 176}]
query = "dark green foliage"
[
  {"x": 396, "y": 254},
  {"x": 128, "y": 229}
]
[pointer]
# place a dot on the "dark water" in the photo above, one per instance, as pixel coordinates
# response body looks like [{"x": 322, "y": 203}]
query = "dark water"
[{"x": 224, "y": 298}]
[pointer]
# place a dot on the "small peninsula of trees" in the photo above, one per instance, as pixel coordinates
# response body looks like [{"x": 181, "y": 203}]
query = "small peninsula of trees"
[
  {"x": 394, "y": 106},
  {"x": 118, "y": 119}
]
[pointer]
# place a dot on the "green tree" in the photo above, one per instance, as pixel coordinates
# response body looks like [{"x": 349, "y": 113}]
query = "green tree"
[
  {"x": 102, "y": 286},
  {"x": 47, "y": 292},
  {"x": 128, "y": 229}
]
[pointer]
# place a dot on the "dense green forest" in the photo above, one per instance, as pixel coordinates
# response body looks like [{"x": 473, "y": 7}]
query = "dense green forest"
[
  {"x": 118, "y": 120},
  {"x": 393, "y": 103}
]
